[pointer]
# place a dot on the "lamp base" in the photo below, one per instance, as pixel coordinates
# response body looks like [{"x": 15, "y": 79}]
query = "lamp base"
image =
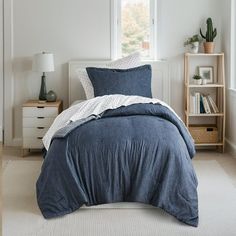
[{"x": 43, "y": 90}]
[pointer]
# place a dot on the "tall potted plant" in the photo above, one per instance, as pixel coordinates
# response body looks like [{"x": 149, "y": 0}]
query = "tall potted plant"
[{"x": 209, "y": 37}]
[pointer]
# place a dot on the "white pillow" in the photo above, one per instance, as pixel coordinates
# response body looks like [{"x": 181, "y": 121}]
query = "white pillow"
[
  {"x": 86, "y": 83},
  {"x": 131, "y": 61}
]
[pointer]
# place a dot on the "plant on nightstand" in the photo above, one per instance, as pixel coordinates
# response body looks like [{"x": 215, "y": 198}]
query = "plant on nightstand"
[
  {"x": 209, "y": 37},
  {"x": 197, "y": 79},
  {"x": 193, "y": 43}
]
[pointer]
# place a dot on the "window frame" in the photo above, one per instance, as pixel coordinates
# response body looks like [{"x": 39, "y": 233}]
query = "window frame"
[
  {"x": 233, "y": 45},
  {"x": 116, "y": 51}
]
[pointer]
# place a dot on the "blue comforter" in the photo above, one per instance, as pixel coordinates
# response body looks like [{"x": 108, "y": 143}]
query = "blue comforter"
[{"x": 139, "y": 153}]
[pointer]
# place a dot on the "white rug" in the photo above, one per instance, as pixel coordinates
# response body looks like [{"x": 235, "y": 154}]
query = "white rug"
[{"x": 21, "y": 216}]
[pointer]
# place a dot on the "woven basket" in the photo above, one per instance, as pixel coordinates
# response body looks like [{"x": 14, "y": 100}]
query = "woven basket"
[{"x": 204, "y": 134}]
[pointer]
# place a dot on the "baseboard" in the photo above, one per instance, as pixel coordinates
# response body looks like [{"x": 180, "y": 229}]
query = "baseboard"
[
  {"x": 231, "y": 147},
  {"x": 17, "y": 142}
]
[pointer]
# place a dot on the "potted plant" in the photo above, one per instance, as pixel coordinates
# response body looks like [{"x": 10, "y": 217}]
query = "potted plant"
[
  {"x": 193, "y": 43},
  {"x": 209, "y": 37},
  {"x": 197, "y": 79}
]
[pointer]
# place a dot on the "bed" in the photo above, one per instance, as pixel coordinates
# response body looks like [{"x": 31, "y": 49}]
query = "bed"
[{"x": 117, "y": 148}]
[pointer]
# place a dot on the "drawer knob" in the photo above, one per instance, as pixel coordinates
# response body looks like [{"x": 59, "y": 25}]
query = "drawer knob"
[
  {"x": 40, "y": 117},
  {"x": 39, "y": 137},
  {"x": 40, "y": 127},
  {"x": 209, "y": 129},
  {"x": 40, "y": 107}
]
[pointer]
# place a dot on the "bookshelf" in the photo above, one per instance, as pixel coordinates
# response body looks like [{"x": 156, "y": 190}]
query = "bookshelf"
[{"x": 216, "y": 90}]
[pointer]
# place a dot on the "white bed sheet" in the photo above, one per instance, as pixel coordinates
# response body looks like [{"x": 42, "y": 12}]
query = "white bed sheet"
[{"x": 95, "y": 106}]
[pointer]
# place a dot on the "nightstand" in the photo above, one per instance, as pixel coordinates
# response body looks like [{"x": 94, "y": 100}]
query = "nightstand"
[{"x": 37, "y": 118}]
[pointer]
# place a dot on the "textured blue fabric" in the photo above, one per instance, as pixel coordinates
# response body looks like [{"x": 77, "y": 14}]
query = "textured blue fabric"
[
  {"x": 140, "y": 153},
  {"x": 135, "y": 81}
]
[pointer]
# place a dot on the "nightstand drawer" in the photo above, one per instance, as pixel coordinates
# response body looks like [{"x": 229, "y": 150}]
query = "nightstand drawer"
[
  {"x": 34, "y": 132},
  {"x": 40, "y": 111},
  {"x": 33, "y": 143},
  {"x": 37, "y": 122}
]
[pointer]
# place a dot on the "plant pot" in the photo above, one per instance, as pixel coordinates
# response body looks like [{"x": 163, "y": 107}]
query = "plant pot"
[
  {"x": 209, "y": 47},
  {"x": 197, "y": 81},
  {"x": 194, "y": 47},
  {"x": 204, "y": 81}
]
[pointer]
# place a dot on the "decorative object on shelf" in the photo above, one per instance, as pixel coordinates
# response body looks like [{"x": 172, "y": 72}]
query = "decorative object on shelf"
[
  {"x": 51, "y": 96},
  {"x": 197, "y": 79},
  {"x": 43, "y": 62},
  {"x": 204, "y": 81},
  {"x": 209, "y": 37},
  {"x": 193, "y": 43},
  {"x": 204, "y": 133},
  {"x": 206, "y": 73}
]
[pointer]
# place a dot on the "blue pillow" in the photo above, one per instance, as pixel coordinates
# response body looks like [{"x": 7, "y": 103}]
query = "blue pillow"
[{"x": 134, "y": 81}]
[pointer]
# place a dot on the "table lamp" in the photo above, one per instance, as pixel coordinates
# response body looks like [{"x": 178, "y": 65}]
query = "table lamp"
[{"x": 43, "y": 62}]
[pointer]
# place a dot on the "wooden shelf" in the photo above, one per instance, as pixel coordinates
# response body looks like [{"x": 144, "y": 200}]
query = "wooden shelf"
[
  {"x": 208, "y": 144},
  {"x": 203, "y": 54},
  {"x": 205, "y": 86},
  {"x": 217, "y": 90},
  {"x": 203, "y": 114}
]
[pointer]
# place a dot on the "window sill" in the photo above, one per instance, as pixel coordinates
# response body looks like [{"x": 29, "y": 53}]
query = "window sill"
[{"x": 232, "y": 90}]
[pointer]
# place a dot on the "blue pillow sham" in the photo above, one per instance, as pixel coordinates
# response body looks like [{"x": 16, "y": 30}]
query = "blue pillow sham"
[{"x": 134, "y": 81}]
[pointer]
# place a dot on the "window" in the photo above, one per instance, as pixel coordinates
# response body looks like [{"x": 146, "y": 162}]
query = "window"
[
  {"x": 134, "y": 28},
  {"x": 233, "y": 45}
]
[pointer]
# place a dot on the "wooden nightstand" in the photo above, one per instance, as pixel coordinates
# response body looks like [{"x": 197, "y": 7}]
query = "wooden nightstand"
[{"x": 37, "y": 118}]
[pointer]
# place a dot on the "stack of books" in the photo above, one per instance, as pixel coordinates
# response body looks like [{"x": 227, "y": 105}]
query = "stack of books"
[{"x": 200, "y": 103}]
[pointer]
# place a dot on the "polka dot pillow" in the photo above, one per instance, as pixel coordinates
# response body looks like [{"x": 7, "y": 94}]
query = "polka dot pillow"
[{"x": 130, "y": 61}]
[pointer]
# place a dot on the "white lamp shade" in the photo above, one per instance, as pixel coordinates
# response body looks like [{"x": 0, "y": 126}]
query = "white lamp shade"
[{"x": 43, "y": 62}]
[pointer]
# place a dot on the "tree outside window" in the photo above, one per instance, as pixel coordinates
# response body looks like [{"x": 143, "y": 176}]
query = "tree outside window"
[{"x": 135, "y": 27}]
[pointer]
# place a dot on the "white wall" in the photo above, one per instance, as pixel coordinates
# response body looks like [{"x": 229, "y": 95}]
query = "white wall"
[
  {"x": 231, "y": 120},
  {"x": 69, "y": 29},
  {"x": 80, "y": 29},
  {"x": 228, "y": 42},
  {"x": 183, "y": 18},
  {"x": 1, "y": 70},
  {"x": 179, "y": 20}
]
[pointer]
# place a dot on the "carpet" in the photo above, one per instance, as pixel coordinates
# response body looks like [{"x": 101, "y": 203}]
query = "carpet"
[{"x": 21, "y": 216}]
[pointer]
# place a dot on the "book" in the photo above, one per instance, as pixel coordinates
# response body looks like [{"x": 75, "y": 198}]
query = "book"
[
  {"x": 200, "y": 104},
  {"x": 210, "y": 105},
  {"x": 206, "y": 105},
  {"x": 192, "y": 103},
  {"x": 202, "y": 109},
  {"x": 213, "y": 105},
  {"x": 197, "y": 102}
]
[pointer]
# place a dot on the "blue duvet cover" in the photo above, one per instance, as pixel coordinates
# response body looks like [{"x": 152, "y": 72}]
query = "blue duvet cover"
[{"x": 139, "y": 153}]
